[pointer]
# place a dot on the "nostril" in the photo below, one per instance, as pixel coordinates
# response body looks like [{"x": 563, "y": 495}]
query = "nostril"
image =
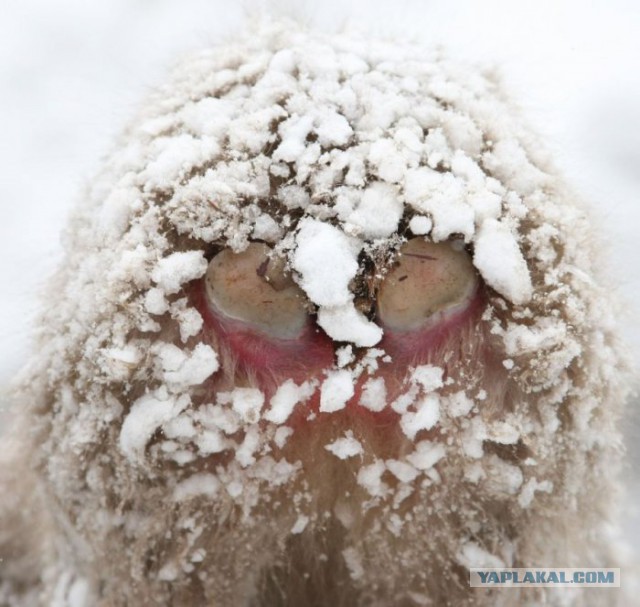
[
  {"x": 253, "y": 287},
  {"x": 428, "y": 281}
]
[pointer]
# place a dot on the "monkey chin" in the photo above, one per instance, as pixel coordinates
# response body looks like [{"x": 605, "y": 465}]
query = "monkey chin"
[
  {"x": 366, "y": 529},
  {"x": 330, "y": 330}
]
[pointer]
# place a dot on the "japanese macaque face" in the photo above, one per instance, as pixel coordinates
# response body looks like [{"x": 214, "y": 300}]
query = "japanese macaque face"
[{"x": 328, "y": 332}]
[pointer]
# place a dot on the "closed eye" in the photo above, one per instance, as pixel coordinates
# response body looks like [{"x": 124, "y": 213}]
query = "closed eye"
[
  {"x": 253, "y": 287},
  {"x": 429, "y": 281},
  {"x": 257, "y": 313}
]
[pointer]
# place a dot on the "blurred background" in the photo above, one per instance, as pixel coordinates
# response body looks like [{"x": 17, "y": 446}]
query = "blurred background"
[{"x": 72, "y": 72}]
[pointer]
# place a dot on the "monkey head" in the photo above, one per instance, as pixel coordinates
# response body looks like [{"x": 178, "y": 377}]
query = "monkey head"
[{"x": 329, "y": 330}]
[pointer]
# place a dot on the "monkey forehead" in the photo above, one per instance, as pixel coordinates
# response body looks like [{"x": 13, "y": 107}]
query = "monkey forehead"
[{"x": 249, "y": 139}]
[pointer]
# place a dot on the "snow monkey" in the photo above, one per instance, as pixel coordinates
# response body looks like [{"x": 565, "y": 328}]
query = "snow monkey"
[{"x": 329, "y": 331}]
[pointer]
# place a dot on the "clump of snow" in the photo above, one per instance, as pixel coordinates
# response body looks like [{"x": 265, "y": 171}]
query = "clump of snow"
[
  {"x": 80, "y": 593},
  {"x": 171, "y": 158},
  {"x": 370, "y": 361},
  {"x": 326, "y": 261},
  {"x": 443, "y": 198},
  {"x": 293, "y": 134},
  {"x": 354, "y": 563},
  {"x": 344, "y": 356},
  {"x": 529, "y": 489},
  {"x": 211, "y": 441},
  {"x": 345, "y": 323},
  {"x": 428, "y": 376},
  {"x": 544, "y": 333},
  {"x": 501, "y": 263},
  {"x": 403, "y": 471},
  {"x": 247, "y": 403},
  {"x": 420, "y": 412},
  {"x": 426, "y": 455},
  {"x": 473, "y": 555},
  {"x": 386, "y": 157},
  {"x": 402, "y": 403},
  {"x": 176, "y": 269},
  {"x": 245, "y": 453},
  {"x": 204, "y": 483},
  {"x": 266, "y": 228},
  {"x": 219, "y": 416},
  {"x": 374, "y": 394},
  {"x": 281, "y": 436},
  {"x": 502, "y": 477},
  {"x": 458, "y": 404},
  {"x": 182, "y": 368},
  {"x": 370, "y": 477},
  {"x": 346, "y": 447},
  {"x": 473, "y": 436},
  {"x": 425, "y": 417},
  {"x": 286, "y": 398},
  {"x": 508, "y": 161},
  {"x": 336, "y": 390},
  {"x": 333, "y": 129},
  {"x": 179, "y": 427},
  {"x": 378, "y": 212},
  {"x": 116, "y": 212},
  {"x": 420, "y": 225},
  {"x": 189, "y": 319},
  {"x": 123, "y": 360},
  {"x": 155, "y": 301},
  {"x": 147, "y": 414},
  {"x": 300, "y": 525},
  {"x": 503, "y": 432}
]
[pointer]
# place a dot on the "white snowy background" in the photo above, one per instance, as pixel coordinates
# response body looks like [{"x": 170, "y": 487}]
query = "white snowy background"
[{"x": 72, "y": 72}]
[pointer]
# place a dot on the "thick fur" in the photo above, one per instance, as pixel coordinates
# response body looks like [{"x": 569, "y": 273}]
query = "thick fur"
[{"x": 84, "y": 522}]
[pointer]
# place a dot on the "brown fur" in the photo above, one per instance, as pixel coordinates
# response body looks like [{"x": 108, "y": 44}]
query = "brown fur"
[{"x": 79, "y": 515}]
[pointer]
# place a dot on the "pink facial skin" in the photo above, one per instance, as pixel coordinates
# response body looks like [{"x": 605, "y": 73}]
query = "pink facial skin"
[
  {"x": 415, "y": 347},
  {"x": 262, "y": 356},
  {"x": 270, "y": 361}
]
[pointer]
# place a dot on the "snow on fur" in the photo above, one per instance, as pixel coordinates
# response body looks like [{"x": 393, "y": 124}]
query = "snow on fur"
[{"x": 325, "y": 147}]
